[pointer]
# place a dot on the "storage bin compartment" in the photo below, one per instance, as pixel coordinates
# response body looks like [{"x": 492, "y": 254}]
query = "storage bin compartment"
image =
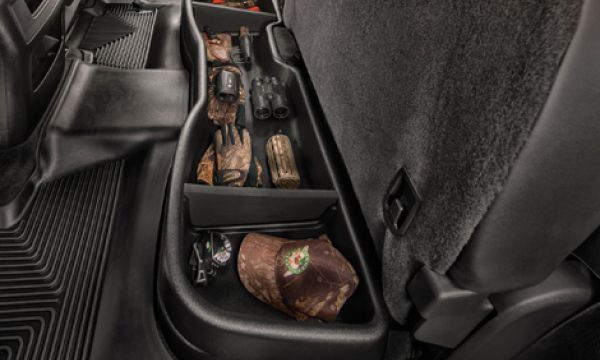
[
  {"x": 222, "y": 319},
  {"x": 227, "y": 292},
  {"x": 223, "y": 19},
  {"x": 218, "y": 205}
]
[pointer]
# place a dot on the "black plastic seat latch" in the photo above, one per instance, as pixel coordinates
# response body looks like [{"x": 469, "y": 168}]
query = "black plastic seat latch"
[{"x": 401, "y": 203}]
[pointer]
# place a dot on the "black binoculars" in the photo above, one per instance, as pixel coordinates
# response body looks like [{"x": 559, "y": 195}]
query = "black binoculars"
[{"x": 269, "y": 99}]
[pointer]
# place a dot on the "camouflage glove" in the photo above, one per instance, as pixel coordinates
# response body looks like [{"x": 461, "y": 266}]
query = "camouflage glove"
[
  {"x": 205, "y": 172},
  {"x": 218, "y": 47},
  {"x": 222, "y": 113},
  {"x": 233, "y": 148}
]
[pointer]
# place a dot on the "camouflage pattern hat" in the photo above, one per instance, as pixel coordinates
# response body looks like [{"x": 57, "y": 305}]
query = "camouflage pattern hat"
[{"x": 306, "y": 279}]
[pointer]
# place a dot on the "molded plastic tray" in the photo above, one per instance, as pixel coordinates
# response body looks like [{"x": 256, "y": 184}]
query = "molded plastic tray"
[{"x": 222, "y": 320}]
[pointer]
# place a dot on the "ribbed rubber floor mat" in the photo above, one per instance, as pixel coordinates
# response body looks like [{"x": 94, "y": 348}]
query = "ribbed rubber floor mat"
[
  {"x": 104, "y": 30},
  {"x": 131, "y": 51},
  {"x": 52, "y": 264}
]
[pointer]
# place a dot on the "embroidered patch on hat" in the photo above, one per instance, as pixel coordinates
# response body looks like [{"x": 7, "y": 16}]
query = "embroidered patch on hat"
[{"x": 296, "y": 261}]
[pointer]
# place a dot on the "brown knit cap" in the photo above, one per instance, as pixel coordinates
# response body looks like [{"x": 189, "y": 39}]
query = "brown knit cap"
[{"x": 306, "y": 279}]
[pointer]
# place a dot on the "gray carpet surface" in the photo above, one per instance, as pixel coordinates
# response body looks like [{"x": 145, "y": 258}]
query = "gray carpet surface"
[{"x": 450, "y": 90}]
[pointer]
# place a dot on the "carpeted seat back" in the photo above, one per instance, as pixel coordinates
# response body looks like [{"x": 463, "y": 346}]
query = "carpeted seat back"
[{"x": 448, "y": 90}]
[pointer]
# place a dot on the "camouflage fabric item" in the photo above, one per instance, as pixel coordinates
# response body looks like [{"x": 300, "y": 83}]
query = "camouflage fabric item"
[
  {"x": 282, "y": 164},
  {"x": 256, "y": 268},
  {"x": 240, "y": 4},
  {"x": 205, "y": 172},
  {"x": 307, "y": 279},
  {"x": 255, "y": 180},
  {"x": 218, "y": 47},
  {"x": 222, "y": 113},
  {"x": 235, "y": 165}
]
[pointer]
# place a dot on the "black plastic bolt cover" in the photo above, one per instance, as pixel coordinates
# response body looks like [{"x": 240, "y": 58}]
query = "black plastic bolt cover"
[{"x": 227, "y": 86}]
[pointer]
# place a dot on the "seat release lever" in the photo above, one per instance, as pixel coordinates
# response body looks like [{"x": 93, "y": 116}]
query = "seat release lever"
[{"x": 401, "y": 203}]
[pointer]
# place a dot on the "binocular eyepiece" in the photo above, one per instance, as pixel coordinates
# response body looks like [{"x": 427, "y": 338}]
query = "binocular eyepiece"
[
  {"x": 269, "y": 99},
  {"x": 227, "y": 86}
]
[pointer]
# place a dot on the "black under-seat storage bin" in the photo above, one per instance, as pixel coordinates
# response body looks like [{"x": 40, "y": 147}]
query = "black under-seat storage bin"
[
  {"x": 211, "y": 206},
  {"x": 222, "y": 320}
]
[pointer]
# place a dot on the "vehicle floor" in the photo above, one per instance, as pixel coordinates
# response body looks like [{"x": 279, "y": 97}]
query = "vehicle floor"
[{"x": 77, "y": 270}]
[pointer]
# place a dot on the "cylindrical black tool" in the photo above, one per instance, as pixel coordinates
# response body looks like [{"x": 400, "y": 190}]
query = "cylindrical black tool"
[
  {"x": 279, "y": 103},
  {"x": 260, "y": 99},
  {"x": 227, "y": 86},
  {"x": 245, "y": 45}
]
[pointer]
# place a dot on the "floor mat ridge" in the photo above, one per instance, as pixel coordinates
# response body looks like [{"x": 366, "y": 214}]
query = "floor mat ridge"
[
  {"x": 52, "y": 265},
  {"x": 130, "y": 51}
]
